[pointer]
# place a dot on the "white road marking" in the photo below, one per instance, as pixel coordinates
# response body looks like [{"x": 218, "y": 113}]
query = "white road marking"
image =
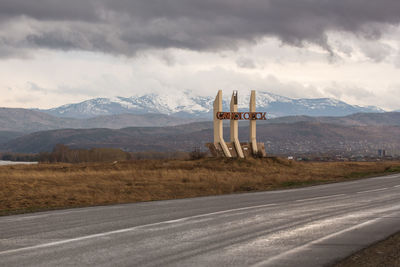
[
  {"x": 397, "y": 185},
  {"x": 316, "y": 198},
  {"x": 66, "y": 241},
  {"x": 273, "y": 260},
  {"x": 270, "y": 261},
  {"x": 375, "y": 190}
]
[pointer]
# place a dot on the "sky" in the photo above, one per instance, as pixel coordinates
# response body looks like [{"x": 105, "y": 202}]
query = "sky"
[{"x": 54, "y": 52}]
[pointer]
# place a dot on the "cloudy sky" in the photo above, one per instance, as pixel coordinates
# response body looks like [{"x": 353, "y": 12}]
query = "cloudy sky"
[{"x": 54, "y": 52}]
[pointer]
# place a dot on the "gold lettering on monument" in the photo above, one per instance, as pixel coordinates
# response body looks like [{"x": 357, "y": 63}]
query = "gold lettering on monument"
[{"x": 242, "y": 115}]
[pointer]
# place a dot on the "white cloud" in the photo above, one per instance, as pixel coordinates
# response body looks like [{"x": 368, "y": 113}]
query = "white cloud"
[{"x": 53, "y": 78}]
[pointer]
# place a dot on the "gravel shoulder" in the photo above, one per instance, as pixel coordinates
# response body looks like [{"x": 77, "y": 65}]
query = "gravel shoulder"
[{"x": 384, "y": 253}]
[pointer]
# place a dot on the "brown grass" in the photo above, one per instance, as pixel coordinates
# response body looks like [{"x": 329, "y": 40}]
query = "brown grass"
[{"x": 49, "y": 186}]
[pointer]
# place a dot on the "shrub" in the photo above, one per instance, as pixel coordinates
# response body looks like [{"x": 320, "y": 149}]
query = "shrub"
[
  {"x": 62, "y": 153},
  {"x": 196, "y": 154}
]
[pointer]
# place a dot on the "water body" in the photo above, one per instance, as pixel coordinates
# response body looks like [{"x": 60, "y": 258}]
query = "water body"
[{"x": 4, "y": 162}]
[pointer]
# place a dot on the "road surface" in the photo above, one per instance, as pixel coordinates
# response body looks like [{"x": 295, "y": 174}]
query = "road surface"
[{"x": 312, "y": 226}]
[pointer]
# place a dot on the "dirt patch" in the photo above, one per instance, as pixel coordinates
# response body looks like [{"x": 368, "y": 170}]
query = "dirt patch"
[{"x": 382, "y": 254}]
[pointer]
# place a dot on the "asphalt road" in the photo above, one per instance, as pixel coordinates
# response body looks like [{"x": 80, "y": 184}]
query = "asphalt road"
[{"x": 312, "y": 226}]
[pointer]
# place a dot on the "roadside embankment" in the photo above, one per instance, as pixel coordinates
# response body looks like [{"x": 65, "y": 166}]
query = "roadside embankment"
[{"x": 385, "y": 253}]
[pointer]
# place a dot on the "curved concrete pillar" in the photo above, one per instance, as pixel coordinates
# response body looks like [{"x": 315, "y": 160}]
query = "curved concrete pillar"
[
  {"x": 218, "y": 126},
  {"x": 235, "y": 126},
  {"x": 253, "y": 125}
]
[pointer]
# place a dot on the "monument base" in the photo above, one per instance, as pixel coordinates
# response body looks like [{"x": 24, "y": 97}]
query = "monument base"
[{"x": 216, "y": 150}]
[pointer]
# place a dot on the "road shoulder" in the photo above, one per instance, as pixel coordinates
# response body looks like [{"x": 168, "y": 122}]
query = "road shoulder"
[{"x": 383, "y": 253}]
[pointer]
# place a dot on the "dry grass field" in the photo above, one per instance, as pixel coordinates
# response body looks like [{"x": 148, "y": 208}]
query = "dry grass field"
[{"x": 51, "y": 186}]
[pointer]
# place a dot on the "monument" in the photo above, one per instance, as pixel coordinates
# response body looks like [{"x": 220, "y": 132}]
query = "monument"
[{"x": 235, "y": 149}]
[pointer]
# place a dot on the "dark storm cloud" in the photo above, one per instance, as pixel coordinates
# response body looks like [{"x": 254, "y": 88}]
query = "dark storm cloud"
[
  {"x": 49, "y": 9},
  {"x": 127, "y": 26}
]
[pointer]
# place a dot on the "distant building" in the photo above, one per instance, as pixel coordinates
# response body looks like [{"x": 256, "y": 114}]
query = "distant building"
[{"x": 381, "y": 153}]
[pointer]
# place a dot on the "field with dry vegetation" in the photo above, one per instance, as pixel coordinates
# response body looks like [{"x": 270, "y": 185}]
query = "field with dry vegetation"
[{"x": 61, "y": 185}]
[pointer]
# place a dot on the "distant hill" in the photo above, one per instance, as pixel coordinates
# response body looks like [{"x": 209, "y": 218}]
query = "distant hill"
[
  {"x": 142, "y": 138},
  {"x": 280, "y": 138},
  {"x": 28, "y": 121},
  {"x": 24, "y": 120},
  {"x": 358, "y": 119},
  {"x": 187, "y": 105},
  {"x": 30, "y": 131},
  {"x": 6, "y": 136},
  {"x": 363, "y": 119}
]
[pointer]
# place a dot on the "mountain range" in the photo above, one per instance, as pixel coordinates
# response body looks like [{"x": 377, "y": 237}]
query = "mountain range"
[
  {"x": 180, "y": 122},
  {"x": 16, "y": 122},
  {"x": 279, "y": 138},
  {"x": 159, "y": 110},
  {"x": 186, "y": 105},
  {"x": 294, "y": 134},
  {"x": 27, "y": 121}
]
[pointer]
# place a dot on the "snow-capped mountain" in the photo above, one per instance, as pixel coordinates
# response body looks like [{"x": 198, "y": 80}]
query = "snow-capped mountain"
[{"x": 187, "y": 105}]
